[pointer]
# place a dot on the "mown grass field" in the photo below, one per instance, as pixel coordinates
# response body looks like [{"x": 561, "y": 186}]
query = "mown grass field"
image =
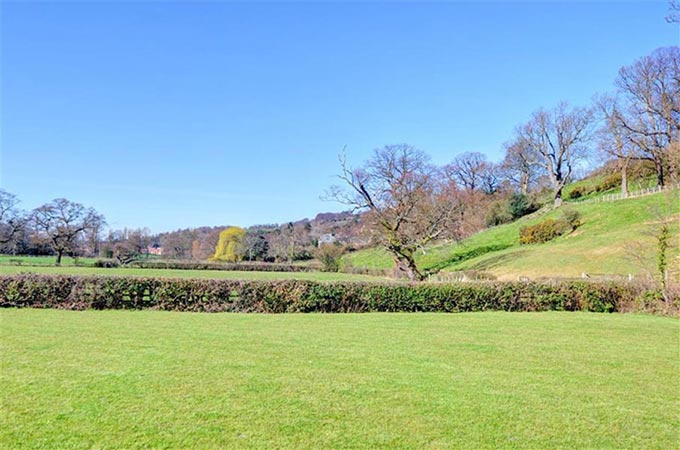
[
  {"x": 603, "y": 244},
  {"x": 149, "y": 379},
  {"x": 180, "y": 273},
  {"x": 22, "y": 260}
]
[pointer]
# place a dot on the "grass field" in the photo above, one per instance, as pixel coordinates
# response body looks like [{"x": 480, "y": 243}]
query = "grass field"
[
  {"x": 43, "y": 260},
  {"x": 598, "y": 246},
  {"x": 180, "y": 273},
  {"x": 114, "y": 379}
]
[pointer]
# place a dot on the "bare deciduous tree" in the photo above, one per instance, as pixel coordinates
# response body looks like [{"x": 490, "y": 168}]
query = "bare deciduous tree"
[
  {"x": 650, "y": 114},
  {"x": 521, "y": 165},
  {"x": 612, "y": 139},
  {"x": 12, "y": 221},
  {"x": 560, "y": 138},
  {"x": 406, "y": 200},
  {"x": 491, "y": 178},
  {"x": 130, "y": 244},
  {"x": 63, "y": 223},
  {"x": 467, "y": 170}
]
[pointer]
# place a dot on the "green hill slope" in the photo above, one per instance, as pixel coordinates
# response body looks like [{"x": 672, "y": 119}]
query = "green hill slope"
[{"x": 611, "y": 232}]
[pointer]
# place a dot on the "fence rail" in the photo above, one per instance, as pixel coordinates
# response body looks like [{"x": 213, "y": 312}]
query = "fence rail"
[
  {"x": 640, "y": 193},
  {"x": 472, "y": 276}
]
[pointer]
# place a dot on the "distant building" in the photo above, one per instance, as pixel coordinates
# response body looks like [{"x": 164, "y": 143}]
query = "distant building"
[
  {"x": 327, "y": 239},
  {"x": 155, "y": 250}
]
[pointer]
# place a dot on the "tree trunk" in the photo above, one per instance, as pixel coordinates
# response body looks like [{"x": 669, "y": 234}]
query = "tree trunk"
[
  {"x": 59, "y": 254},
  {"x": 624, "y": 179},
  {"x": 406, "y": 266},
  {"x": 558, "y": 197},
  {"x": 524, "y": 185},
  {"x": 658, "y": 166}
]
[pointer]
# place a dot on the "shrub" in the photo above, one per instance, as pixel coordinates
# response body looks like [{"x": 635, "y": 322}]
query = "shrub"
[
  {"x": 504, "y": 211},
  {"x": 519, "y": 205},
  {"x": 498, "y": 214},
  {"x": 541, "y": 232},
  {"x": 102, "y": 292},
  {"x": 572, "y": 218},
  {"x": 549, "y": 229},
  {"x": 329, "y": 256},
  {"x": 578, "y": 192},
  {"x": 609, "y": 181},
  {"x": 107, "y": 263}
]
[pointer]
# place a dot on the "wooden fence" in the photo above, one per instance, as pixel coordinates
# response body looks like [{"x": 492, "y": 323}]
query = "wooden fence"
[{"x": 640, "y": 193}]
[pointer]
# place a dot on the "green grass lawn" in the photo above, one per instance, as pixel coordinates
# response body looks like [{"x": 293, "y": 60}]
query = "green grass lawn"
[
  {"x": 44, "y": 260},
  {"x": 180, "y": 273},
  {"x": 598, "y": 246},
  {"x": 117, "y": 379}
]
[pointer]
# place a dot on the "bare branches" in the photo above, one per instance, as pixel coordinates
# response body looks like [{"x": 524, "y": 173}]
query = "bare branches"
[
  {"x": 63, "y": 223},
  {"x": 406, "y": 200},
  {"x": 560, "y": 138},
  {"x": 521, "y": 164},
  {"x": 467, "y": 170},
  {"x": 648, "y": 114},
  {"x": 12, "y": 220}
]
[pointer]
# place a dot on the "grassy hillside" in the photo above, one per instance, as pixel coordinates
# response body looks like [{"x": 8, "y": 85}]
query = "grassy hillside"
[{"x": 601, "y": 245}]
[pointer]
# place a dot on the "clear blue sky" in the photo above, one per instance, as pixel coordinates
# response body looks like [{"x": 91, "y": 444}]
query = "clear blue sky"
[{"x": 167, "y": 114}]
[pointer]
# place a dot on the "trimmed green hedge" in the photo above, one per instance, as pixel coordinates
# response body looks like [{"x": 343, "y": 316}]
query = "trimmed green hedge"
[
  {"x": 92, "y": 292},
  {"x": 242, "y": 266}
]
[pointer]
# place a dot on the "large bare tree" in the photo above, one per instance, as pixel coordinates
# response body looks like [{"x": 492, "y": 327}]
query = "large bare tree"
[
  {"x": 649, "y": 116},
  {"x": 64, "y": 224},
  {"x": 612, "y": 139},
  {"x": 12, "y": 220},
  {"x": 560, "y": 138},
  {"x": 521, "y": 165},
  {"x": 406, "y": 200},
  {"x": 468, "y": 170}
]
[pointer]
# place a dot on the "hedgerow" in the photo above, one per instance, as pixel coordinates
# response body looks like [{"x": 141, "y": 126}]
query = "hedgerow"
[
  {"x": 241, "y": 266},
  {"x": 101, "y": 292}
]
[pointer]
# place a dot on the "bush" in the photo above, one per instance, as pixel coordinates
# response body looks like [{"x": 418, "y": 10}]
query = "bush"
[
  {"x": 498, "y": 214},
  {"x": 519, "y": 205},
  {"x": 578, "y": 192},
  {"x": 572, "y": 218},
  {"x": 609, "y": 181},
  {"x": 329, "y": 256},
  {"x": 107, "y": 263},
  {"x": 541, "y": 232},
  {"x": 549, "y": 229},
  {"x": 505, "y": 211},
  {"x": 102, "y": 292}
]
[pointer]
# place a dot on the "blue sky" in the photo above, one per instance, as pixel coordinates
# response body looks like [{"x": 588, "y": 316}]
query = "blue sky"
[{"x": 171, "y": 114}]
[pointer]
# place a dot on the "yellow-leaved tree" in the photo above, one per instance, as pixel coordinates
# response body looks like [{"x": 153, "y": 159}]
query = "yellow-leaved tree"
[{"x": 230, "y": 245}]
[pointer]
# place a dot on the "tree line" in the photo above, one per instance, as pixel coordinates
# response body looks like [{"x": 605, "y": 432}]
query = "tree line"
[{"x": 65, "y": 228}]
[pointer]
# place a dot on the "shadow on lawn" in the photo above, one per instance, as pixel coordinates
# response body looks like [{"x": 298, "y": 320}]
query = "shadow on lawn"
[
  {"x": 498, "y": 260},
  {"x": 459, "y": 257}
]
